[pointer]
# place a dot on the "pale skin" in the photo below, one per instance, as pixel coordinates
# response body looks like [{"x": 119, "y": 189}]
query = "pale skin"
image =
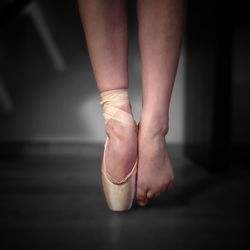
[{"x": 160, "y": 29}]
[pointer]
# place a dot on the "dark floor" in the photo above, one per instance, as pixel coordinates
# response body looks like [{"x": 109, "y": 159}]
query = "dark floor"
[{"x": 57, "y": 203}]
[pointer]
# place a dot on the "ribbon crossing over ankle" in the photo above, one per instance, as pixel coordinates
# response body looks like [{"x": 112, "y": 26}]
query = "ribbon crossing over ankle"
[{"x": 112, "y": 100}]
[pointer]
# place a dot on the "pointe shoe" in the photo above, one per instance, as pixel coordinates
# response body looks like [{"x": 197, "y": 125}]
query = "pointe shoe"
[{"x": 119, "y": 194}]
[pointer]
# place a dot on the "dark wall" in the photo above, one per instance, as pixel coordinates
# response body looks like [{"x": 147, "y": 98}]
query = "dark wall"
[{"x": 218, "y": 80}]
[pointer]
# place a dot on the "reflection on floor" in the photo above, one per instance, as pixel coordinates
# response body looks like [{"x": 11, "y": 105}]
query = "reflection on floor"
[{"x": 57, "y": 203}]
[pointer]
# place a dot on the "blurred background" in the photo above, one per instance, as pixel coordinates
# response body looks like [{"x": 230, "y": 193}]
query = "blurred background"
[
  {"x": 52, "y": 134},
  {"x": 49, "y": 92}
]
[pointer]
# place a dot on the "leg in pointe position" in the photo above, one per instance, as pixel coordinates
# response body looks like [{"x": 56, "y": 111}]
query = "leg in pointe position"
[{"x": 106, "y": 32}]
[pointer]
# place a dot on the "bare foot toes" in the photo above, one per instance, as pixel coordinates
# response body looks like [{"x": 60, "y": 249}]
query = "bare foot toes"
[
  {"x": 155, "y": 171},
  {"x": 141, "y": 195}
]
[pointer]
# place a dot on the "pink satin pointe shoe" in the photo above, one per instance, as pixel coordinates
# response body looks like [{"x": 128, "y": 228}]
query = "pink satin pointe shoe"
[{"x": 119, "y": 194}]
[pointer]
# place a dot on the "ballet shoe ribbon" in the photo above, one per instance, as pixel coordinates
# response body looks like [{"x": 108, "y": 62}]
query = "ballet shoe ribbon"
[{"x": 112, "y": 100}]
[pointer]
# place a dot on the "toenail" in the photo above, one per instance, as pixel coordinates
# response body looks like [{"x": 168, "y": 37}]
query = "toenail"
[
  {"x": 142, "y": 203},
  {"x": 149, "y": 195}
]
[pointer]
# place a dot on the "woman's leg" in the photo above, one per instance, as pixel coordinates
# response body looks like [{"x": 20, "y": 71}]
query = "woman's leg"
[
  {"x": 161, "y": 25},
  {"x": 105, "y": 26}
]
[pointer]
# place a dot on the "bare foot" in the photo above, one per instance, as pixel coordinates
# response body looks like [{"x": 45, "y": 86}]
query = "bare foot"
[
  {"x": 155, "y": 171},
  {"x": 121, "y": 152}
]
